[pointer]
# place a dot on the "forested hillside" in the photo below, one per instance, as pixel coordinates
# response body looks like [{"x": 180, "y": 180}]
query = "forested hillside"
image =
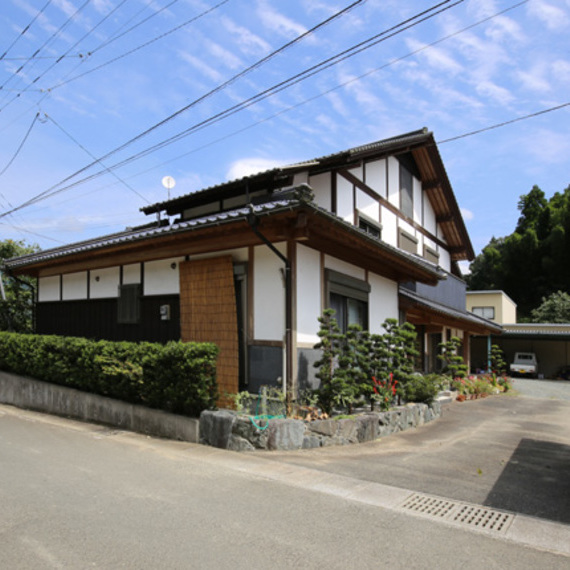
[{"x": 534, "y": 261}]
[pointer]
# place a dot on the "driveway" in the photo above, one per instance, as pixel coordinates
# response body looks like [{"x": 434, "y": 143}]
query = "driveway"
[{"x": 509, "y": 452}]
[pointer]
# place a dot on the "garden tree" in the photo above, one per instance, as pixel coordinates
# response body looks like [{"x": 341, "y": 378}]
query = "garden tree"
[
  {"x": 330, "y": 346},
  {"x": 400, "y": 344},
  {"x": 453, "y": 364},
  {"x": 498, "y": 363},
  {"x": 534, "y": 261},
  {"x": 554, "y": 309},
  {"x": 16, "y": 311}
]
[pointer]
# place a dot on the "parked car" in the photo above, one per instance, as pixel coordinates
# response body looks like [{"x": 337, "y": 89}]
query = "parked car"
[{"x": 524, "y": 364}]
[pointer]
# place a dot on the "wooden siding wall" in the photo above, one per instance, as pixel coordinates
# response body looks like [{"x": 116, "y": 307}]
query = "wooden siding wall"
[
  {"x": 208, "y": 313},
  {"x": 97, "y": 319}
]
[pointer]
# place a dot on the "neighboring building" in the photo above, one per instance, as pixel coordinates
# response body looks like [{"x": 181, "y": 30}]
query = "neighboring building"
[
  {"x": 373, "y": 232},
  {"x": 550, "y": 342},
  {"x": 496, "y": 306}
]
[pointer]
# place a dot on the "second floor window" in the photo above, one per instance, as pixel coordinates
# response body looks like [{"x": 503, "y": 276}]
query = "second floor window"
[{"x": 485, "y": 312}]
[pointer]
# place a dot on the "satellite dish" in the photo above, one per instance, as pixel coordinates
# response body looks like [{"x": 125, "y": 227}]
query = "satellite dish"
[{"x": 168, "y": 182}]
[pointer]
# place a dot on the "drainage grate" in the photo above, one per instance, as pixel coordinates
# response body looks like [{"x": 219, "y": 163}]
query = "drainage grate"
[{"x": 459, "y": 513}]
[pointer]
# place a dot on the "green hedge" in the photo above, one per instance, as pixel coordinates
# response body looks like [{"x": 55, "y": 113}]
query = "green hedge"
[{"x": 177, "y": 377}]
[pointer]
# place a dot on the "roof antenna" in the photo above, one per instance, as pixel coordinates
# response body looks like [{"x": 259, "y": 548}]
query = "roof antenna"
[{"x": 168, "y": 182}]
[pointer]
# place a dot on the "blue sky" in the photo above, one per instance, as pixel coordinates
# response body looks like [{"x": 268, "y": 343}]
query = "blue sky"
[{"x": 109, "y": 70}]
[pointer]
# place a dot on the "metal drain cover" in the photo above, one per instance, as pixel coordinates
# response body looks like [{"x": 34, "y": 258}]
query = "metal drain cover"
[{"x": 463, "y": 514}]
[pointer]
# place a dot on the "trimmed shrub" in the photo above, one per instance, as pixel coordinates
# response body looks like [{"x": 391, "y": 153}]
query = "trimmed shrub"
[
  {"x": 178, "y": 377},
  {"x": 422, "y": 389}
]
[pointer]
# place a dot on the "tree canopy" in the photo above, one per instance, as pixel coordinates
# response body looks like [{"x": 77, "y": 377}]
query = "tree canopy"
[
  {"x": 533, "y": 262},
  {"x": 553, "y": 309},
  {"x": 16, "y": 310}
]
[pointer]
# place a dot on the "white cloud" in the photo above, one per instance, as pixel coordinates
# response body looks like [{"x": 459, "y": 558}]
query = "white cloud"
[
  {"x": 278, "y": 22},
  {"x": 554, "y": 17},
  {"x": 225, "y": 56},
  {"x": 549, "y": 147},
  {"x": 249, "y": 42},
  {"x": 534, "y": 78},
  {"x": 437, "y": 58},
  {"x": 496, "y": 92},
  {"x": 467, "y": 214},
  {"x": 201, "y": 66},
  {"x": 247, "y": 166}
]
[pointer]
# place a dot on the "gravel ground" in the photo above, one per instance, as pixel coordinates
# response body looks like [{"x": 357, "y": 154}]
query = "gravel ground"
[{"x": 549, "y": 389}]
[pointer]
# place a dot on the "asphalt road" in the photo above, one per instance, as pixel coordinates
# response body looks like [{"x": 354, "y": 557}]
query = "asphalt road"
[{"x": 75, "y": 495}]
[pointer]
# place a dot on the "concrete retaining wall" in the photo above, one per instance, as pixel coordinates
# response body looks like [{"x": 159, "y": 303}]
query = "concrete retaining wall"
[
  {"x": 44, "y": 397},
  {"x": 228, "y": 430}
]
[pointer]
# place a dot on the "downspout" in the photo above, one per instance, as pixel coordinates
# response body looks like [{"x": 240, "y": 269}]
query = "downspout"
[{"x": 252, "y": 220}]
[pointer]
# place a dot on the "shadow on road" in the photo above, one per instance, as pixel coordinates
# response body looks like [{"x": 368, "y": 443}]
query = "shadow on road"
[{"x": 535, "y": 482}]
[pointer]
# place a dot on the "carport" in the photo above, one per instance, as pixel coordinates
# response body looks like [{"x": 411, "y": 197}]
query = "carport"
[{"x": 550, "y": 343}]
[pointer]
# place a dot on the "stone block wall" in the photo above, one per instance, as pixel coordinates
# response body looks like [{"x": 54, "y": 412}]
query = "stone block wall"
[{"x": 229, "y": 430}]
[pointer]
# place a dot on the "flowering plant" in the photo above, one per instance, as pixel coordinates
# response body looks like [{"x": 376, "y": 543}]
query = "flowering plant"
[{"x": 384, "y": 391}]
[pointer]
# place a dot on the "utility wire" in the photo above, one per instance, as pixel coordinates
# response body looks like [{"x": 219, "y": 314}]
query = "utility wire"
[
  {"x": 60, "y": 58},
  {"x": 134, "y": 27},
  {"x": 23, "y": 32},
  {"x": 299, "y": 77},
  {"x": 257, "y": 64},
  {"x": 47, "y": 42},
  {"x": 21, "y": 145},
  {"x": 112, "y": 172},
  {"x": 51, "y": 192},
  {"x": 139, "y": 47}
]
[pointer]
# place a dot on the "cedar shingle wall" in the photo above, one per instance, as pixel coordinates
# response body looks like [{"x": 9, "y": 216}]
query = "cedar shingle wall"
[{"x": 208, "y": 313}]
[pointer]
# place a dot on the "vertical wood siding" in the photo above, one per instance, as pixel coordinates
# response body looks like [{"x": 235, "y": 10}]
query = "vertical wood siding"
[{"x": 208, "y": 313}]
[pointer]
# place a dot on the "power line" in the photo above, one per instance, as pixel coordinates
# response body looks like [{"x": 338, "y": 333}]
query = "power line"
[
  {"x": 24, "y": 31},
  {"x": 21, "y": 145},
  {"x": 505, "y": 123},
  {"x": 281, "y": 86},
  {"x": 112, "y": 172},
  {"x": 47, "y": 42},
  {"x": 60, "y": 58},
  {"x": 141, "y": 46}
]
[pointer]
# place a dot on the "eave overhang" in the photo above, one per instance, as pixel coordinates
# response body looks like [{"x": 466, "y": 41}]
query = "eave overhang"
[
  {"x": 421, "y": 144},
  {"x": 279, "y": 221},
  {"x": 421, "y": 311}
]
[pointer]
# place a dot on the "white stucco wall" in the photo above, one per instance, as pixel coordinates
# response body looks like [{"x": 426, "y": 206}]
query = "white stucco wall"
[
  {"x": 344, "y": 199},
  {"x": 418, "y": 195},
  {"x": 104, "y": 283},
  {"x": 383, "y": 301},
  {"x": 308, "y": 294},
  {"x": 343, "y": 267},
  {"x": 131, "y": 274},
  {"x": 74, "y": 286},
  {"x": 268, "y": 294},
  {"x": 48, "y": 288},
  {"x": 444, "y": 259},
  {"x": 394, "y": 181},
  {"x": 368, "y": 205},
  {"x": 389, "y": 227},
  {"x": 376, "y": 176},
  {"x": 429, "y": 217},
  {"x": 160, "y": 278},
  {"x": 321, "y": 185}
]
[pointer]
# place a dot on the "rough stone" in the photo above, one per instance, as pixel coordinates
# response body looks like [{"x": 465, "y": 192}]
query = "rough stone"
[
  {"x": 311, "y": 441},
  {"x": 216, "y": 428},
  {"x": 347, "y": 431},
  {"x": 285, "y": 434},
  {"x": 237, "y": 443},
  {"x": 327, "y": 428},
  {"x": 367, "y": 427}
]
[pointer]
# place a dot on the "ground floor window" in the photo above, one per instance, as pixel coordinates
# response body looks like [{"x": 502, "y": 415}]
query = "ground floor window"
[{"x": 348, "y": 297}]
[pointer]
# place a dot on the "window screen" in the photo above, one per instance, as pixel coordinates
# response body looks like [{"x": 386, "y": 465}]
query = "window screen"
[{"x": 129, "y": 304}]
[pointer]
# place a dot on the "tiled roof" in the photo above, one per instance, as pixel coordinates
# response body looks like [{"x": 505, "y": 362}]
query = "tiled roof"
[
  {"x": 269, "y": 208},
  {"x": 448, "y": 311},
  {"x": 384, "y": 144}
]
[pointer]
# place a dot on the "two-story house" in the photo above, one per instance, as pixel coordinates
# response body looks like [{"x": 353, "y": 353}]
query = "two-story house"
[{"x": 373, "y": 232}]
